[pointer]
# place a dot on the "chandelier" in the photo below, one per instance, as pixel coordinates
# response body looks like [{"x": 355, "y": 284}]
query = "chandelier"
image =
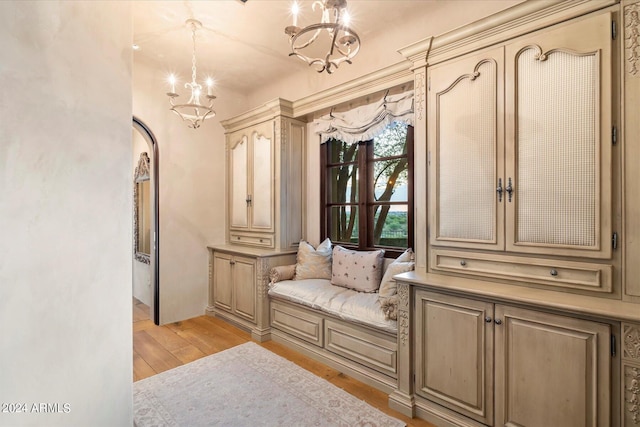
[
  {"x": 193, "y": 111},
  {"x": 328, "y": 43}
]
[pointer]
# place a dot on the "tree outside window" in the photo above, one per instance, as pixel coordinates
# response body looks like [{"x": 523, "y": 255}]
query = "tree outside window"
[{"x": 367, "y": 189}]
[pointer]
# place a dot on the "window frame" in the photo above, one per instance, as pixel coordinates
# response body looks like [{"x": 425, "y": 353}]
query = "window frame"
[{"x": 366, "y": 194}]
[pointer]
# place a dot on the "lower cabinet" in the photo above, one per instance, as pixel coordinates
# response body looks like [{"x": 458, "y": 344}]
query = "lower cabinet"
[
  {"x": 507, "y": 366},
  {"x": 238, "y": 285}
]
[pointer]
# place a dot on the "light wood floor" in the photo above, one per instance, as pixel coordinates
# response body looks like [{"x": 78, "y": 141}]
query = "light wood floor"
[{"x": 159, "y": 348}]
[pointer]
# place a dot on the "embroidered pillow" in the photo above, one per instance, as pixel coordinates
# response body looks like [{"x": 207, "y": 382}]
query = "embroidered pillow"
[
  {"x": 357, "y": 270},
  {"x": 313, "y": 263},
  {"x": 401, "y": 264}
]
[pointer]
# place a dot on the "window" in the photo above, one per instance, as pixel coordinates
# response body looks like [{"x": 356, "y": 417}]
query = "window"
[{"x": 367, "y": 191}]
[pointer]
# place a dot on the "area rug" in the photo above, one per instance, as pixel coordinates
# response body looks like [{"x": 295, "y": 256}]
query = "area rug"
[{"x": 248, "y": 386}]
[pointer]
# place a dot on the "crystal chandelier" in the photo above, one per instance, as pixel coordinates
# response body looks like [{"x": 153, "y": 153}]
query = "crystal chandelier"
[
  {"x": 328, "y": 43},
  {"x": 193, "y": 111}
]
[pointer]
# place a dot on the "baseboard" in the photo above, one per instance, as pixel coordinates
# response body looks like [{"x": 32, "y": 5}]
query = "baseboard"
[{"x": 402, "y": 403}]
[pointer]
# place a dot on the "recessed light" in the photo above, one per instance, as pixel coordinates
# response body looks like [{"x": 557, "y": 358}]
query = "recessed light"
[{"x": 135, "y": 46}]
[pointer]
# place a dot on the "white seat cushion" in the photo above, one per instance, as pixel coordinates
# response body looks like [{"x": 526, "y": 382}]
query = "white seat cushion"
[{"x": 346, "y": 304}]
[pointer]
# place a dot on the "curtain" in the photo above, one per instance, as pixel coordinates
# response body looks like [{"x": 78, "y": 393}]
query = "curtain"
[{"x": 363, "y": 123}]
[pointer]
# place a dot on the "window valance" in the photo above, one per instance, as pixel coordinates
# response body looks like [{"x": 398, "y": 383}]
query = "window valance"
[{"x": 365, "y": 122}]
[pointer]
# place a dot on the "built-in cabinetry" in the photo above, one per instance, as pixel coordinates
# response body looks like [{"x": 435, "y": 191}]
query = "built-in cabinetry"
[
  {"x": 265, "y": 212},
  {"x": 238, "y": 285},
  {"x": 500, "y": 364},
  {"x": 523, "y": 308},
  {"x": 520, "y": 158},
  {"x": 265, "y": 192}
]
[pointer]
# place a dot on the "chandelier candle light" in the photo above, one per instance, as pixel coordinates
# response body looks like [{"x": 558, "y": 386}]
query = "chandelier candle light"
[
  {"x": 339, "y": 41},
  {"x": 193, "y": 111}
]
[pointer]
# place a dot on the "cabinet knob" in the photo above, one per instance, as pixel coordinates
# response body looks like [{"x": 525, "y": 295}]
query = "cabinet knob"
[
  {"x": 463, "y": 263},
  {"x": 488, "y": 319},
  {"x": 553, "y": 272},
  {"x": 498, "y": 322}
]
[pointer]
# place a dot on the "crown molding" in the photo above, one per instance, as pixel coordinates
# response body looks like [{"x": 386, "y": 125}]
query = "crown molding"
[
  {"x": 262, "y": 113},
  {"x": 499, "y": 27}
]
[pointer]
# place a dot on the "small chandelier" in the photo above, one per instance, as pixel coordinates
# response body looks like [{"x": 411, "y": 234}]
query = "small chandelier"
[
  {"x": 193, "y": 111},
  {"x": 341, "y": 43}
]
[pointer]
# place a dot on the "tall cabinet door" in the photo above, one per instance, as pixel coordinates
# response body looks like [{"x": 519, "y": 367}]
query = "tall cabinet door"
[
  {"x": 466, "y": 155},
  {"x": 262, "y": 177},
  {"x": 454, "y": 353},
  {"x": 558, "y": 100},
  {"x": 244, "y": 281},
  {"x": 551, "y": 370},
  {"x": 223, "y": 281},
  {"x": 238, "y": 152}
]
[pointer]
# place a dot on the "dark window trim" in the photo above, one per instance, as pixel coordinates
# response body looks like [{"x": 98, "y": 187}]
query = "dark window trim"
[{"x": 365, "y": 170}]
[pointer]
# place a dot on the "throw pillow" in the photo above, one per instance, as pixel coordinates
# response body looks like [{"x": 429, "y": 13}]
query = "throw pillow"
[
  {"x": 313, "y": 263},
  {"x": 401, "y": 264},
  {"x": 358, "y": 270}
]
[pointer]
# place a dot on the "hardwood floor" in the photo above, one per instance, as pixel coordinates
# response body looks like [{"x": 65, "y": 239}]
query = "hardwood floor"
[{"x": 159, "y": 348}]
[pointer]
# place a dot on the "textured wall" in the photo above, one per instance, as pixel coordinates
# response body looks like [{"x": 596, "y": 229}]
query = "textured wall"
[{"x": 65, "y": 213}]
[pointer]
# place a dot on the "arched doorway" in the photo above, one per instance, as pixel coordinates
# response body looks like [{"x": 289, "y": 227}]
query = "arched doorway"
[{"x": 150, "y": 194}]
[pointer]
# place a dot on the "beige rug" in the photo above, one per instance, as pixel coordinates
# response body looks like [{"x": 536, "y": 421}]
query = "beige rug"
[{"x": 248, "y": 386}]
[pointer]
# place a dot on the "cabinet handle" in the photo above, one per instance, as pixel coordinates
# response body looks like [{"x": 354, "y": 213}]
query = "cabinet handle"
[
  {"x": 499, "y": 190},
  {"x": 488, "y": 319},
  {"x": 463, "y": 263},
  {"x": 248, "y": 200},
  {"x": 232, "y": 262},
  {"x": 553, "y": 272},
  {"x": 498, "y": 322},
  {"x": 509, "y": 189}
]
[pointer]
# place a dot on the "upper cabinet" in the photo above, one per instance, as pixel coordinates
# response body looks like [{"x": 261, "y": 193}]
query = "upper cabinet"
[
  {"x": 520, "y": 159},
  {"x": 520, "y": 144},
  {"x": 265, "y": 179}
]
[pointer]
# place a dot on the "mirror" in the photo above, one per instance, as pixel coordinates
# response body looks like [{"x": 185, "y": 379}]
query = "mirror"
[{"x": 142, "y": 210}]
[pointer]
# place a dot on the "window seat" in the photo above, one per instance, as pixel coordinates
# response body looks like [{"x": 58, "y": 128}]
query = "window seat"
[{"x": 337, "y": 326}]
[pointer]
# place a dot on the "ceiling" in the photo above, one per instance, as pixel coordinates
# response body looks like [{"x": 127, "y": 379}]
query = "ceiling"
[{"x": 243, "y": 45}]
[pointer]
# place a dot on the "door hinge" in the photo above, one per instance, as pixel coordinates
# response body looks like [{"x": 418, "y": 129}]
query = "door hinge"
[
  {"x": 614, "y": 135},
  {"x": 429, "y": 83},
  {"x": 613, "y": 345},
  {"x": 614, "y": 240},
  {"x": 614, "y": 30}
]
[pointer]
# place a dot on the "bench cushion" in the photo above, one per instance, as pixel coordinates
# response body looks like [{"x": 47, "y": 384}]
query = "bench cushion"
[{"x": 346, "y": 304}]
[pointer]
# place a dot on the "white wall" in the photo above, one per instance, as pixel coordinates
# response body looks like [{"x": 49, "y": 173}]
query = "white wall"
[
  {"x": 65, "y": 212},
  {"x": 192, "y": 190}
]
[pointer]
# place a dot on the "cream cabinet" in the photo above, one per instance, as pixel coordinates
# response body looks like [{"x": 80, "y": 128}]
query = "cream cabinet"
[
  {"x": 508, "y": 366},
  {"x": 265, "y": 188},
  {"x": 519, "y": 139},
  {"x": 238, "y": 285}
]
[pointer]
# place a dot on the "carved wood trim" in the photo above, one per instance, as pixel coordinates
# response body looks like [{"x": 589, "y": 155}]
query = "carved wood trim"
[
  {"x": 631, "y": 337},
  {"x": 262, "y": 277},
  {"x": 403, "y": 313},
  {"x": 419, "y": 94},
  {"x": 632, "y": 392},
  {"x": 632, "y": 38}
]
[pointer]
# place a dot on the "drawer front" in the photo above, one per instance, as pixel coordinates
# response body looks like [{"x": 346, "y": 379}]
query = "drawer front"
[
  {"x": 261, "y": 240},
  {"x": 374, "y": 350},
  {"x": 556, "y": 273},
  {"x": 299, "y": 323}
]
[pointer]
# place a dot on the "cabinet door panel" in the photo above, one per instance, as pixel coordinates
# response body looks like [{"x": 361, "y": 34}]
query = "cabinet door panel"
[
  {"x": 455, "y": 354},
  {"x": 244, "y": 280},
  {"x": 551, "y": 370},
  {"x": 558, "y": 140},
  {"x": 466, "y": 151},
  {"x": 222, "y": 281},
  {"x": 238, "y": 151},
  {"x": 262, "y": 179}
]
